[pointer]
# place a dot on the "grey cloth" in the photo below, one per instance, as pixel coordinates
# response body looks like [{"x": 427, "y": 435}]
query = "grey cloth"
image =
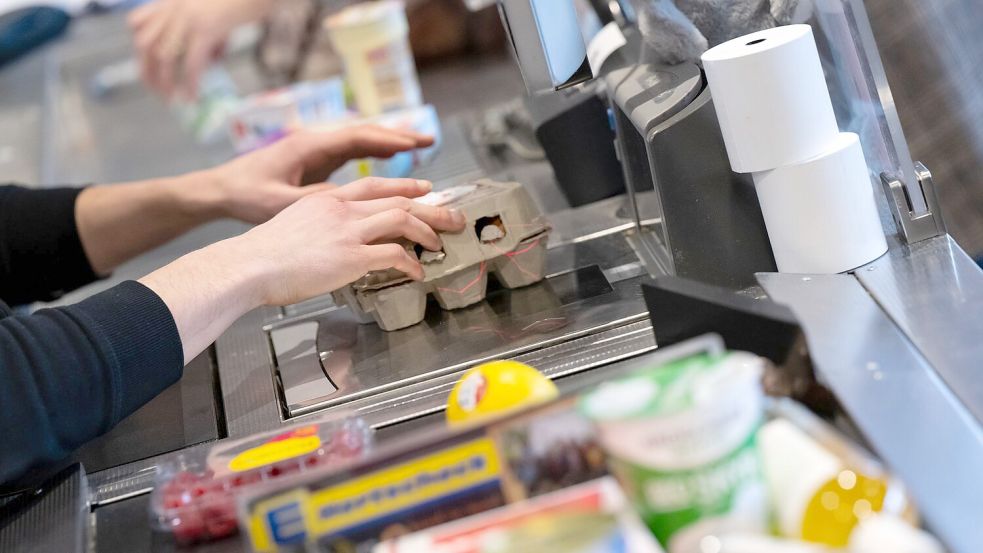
[{"x": 681, "y": 30}]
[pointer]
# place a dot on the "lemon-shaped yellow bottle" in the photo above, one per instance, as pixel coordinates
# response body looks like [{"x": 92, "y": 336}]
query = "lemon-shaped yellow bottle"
[
  {"x": 497, "y": 387},
  {"x": 816, "y": 496},
  {"x": 839, "y": 505}
]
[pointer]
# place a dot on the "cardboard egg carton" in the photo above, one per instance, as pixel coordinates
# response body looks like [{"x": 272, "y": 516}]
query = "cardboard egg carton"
[{"x": 506, "y": 234}]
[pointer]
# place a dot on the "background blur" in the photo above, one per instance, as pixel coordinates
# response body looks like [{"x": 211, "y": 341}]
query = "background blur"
[{"x": 54, "y": 130}]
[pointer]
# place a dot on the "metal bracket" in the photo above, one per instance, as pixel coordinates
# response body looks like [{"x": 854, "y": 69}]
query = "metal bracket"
[{"x": 914, "y": 227}]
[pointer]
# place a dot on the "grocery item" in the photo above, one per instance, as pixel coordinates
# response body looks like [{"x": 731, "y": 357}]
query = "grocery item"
[
  {"x": 553, "y": 448},
  {"x": 207, "y": 117},
  {"x": 432, "y": 478},
  {"x": 593, "y": 517},
  {"x": 505, "y": 234},
  {"x": 194, "y": 495},
  {"x": 756, "y": 543},
  {"x": 372, "y": 39},
  {"x": 266, "y": 117},
  {"x": 681, "y": 438},
  {"x": 495, "y": 388},
  {"x": 422, "y": 119},
  {"x": 881, "y": 533},
  {"x": 816, "y": 496}
]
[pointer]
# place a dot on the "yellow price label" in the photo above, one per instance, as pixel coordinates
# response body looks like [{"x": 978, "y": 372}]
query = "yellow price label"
[{"x": 274, "y": 452}]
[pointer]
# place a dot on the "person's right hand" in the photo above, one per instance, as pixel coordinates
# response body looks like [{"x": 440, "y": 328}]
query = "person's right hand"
[
  {"x": 177, "y": 39},
  {"x": 329, "y": 239},
  {"x": 316, "y": 245}
]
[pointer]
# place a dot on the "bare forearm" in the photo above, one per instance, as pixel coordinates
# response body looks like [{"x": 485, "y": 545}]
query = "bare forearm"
[
  {"x": 207, "y": 290},
  {"x": 316, "y": 245},
  {"x": 121, "y": 221}
]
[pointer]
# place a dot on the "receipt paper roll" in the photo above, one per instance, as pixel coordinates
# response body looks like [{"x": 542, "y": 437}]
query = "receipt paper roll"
[
  {"x": 820, "y": 213},
  {"x": 771, "y": 98}
]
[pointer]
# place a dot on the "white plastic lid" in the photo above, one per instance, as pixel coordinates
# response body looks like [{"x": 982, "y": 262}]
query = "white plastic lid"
[{"x": 368, "y": 13}]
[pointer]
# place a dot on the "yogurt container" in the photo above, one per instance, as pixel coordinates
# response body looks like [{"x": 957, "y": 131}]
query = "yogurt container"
[
  {"x": 422, "y": 119},
  {"x": 682, "y": 440},
  {"x": 372, "y": 39},
  {"x": 264, "y": 118}
]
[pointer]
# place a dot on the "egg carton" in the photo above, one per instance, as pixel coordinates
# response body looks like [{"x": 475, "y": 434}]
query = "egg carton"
[{"x": 506, "y": 234}]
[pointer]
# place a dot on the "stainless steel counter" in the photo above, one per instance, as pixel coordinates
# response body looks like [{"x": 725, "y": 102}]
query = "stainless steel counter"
[{"x": 891, "y": 388}]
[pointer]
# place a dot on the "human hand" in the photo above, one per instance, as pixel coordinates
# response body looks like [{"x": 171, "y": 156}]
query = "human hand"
[
  {"x": 176, "y": 40},
  {"x": 257, "y": 186},
  {"x": 317, "y": 245},
  {"x": 323, "y": 242}
]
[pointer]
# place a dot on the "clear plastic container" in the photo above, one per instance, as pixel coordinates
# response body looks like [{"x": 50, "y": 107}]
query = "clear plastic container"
[
  {"x": 194, "y": 496},
  {"x": 207, "y": 116},
  {"x": 421, "y": 119},
  {"x": 264, "y": 118},
  {"x": 372, "y": 39}
]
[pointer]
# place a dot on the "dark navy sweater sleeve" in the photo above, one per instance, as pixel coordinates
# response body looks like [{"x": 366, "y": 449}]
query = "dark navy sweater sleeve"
[
  {"x": 41, "y": 255},
  {"x": 71, "y": 373}
]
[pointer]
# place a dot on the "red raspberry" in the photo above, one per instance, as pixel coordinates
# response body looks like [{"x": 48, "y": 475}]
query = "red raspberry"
[{"x": 188, "y": 526}]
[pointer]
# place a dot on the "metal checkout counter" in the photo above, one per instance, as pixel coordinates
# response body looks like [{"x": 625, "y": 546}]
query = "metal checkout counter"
[{"x": 896, "y": 341}]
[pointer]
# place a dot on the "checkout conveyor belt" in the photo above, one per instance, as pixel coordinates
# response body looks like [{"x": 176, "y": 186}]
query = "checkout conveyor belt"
[{"x": 327, "y": 359}]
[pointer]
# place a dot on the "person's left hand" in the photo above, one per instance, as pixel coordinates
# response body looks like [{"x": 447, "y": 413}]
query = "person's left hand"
[{"x": 255, "y": 187}]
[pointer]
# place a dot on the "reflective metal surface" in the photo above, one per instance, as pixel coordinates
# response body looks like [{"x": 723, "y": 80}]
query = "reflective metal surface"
[
  {"x": 185, "y": 413},
  {"x": 592, "y": 287},
  {"x": 54, "y": 518},
  {"x": 914, "y": 227},
  {"x": 245, "y": 360},
  {"x": 934, "y": 292},
  {"x": 581, "y": 237},
  {"x": 892, "y": 393},
  {"x": 574, "y": 357},
  {"x": 298, "y": 364}
]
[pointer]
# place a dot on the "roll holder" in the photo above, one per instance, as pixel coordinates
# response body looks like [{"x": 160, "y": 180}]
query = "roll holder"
[{"x": 914, "y": 227}]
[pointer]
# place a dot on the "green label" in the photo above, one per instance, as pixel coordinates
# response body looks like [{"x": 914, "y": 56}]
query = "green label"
[{"x": 669, "y": 501}]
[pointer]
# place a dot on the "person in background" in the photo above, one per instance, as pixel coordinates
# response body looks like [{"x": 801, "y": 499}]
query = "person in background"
[
  {"x": 177, "y": 40},
  {"x": 71, "y": 373}
]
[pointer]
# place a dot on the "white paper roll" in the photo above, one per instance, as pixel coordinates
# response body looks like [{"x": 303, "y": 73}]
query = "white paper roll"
[
  {"x": 820, "y": 214},
  {"x": 771, "y": 98}
]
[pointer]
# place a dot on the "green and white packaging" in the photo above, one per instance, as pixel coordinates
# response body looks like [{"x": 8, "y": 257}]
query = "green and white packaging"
[{"x": 681, "y": 438}]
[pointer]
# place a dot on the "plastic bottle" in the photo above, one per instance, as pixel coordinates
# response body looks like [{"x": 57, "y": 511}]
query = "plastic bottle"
[
  {"x": 372, "y": 39},
  {"x": 816, "y": 496}
]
